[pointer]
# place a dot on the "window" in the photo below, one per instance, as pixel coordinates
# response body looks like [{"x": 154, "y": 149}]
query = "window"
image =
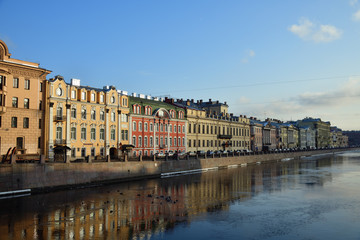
[
  {"x": 93, "y": 97},
  {"x": 140, "y": 126},
  {"x": 113, "y": 116},
  {"x": 151, "y": 142},
  {"x": 151, "y": 127},
  {"x": 183, "y": 142},
  {"x": 83, "y": 133},
  {"x": 26, "y": 103},
  {"x": 14, "y": 122},
  {"x": 40, "y": 105},
  {"x": 174, "y": 128},
  {"x": 189, "y": 143},
  {"x": 175, "y": 144},
  {"x": 73, "y": 152},
  {"x": 93, "y": 114},
  {"x": 83, "y": 95},
  {"x": 73, "y": 94},
  {"x": 83, "y": 152},
  {"x": 184, "y": 129},
  {"x": 40, "y": 123},
  {"x": 124, "y": 134},
  {"x": 102, "y": 115},
  {"x": 93, "y": 152},
  {"x": 189, "y": 127},
  {"x": 179, "y": 129},
  {"x": 73, "y": 133},
  {"x": 145, "y": 141},
  {"x": 58, "y": 133},
  {"x": 124, "y": 117},
  {"x": 39, "y": 142},
  {"x": 2, "y": 82},
  {"x": 73, "y": 112},
  {"x": 134, "y": 141},
  {"x": 93, "y": 134},
  {"x": 157, "y": 141},
  {"x": 124, "y": 102},
  {"x": 134, "y": 126},
  {"x": 102, "y": 151},
  {"x": 26, "y": 122},
  {"x": 112, "y": 99},
  {"x": 170, "y": 140},
  {"x": 41, "y": 87},
  {"x": 83, "y": 113},
  {"x": 15, "y": 83},
  {"x": 102, "y": 134},
  {"x": 112, "y": 134},
  {"x": 161, "y": 127},
  {"x": 145, "y": 127},
  {"x": 179, "y": 141},
  {"x": 170, "y": 128},
  {"x": 140, "y": 141},
  {"x": 27, "y": 84},
  {"x": 15, "y": 102},
  {"x": 101, "y": 98}
]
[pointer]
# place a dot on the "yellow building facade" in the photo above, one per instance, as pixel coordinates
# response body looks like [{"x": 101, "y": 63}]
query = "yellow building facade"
[
  {"x": 22, "y": 97},
  {"x": 89, "y": 122}
]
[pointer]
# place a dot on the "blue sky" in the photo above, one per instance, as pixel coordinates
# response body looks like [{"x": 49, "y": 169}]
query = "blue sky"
[{"x": 279, "y": 59}]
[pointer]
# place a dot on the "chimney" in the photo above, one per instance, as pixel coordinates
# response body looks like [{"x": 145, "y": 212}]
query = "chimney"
[
  {"x": 192, "y": 100},
  {"x": 188, "y": 102},
  {"x": 210, "y": 100},
  {"x": 201, "y": 101}
]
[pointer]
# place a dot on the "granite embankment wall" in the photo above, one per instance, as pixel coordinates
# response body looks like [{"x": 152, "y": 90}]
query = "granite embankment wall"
[{"x": 47, "y": 176}]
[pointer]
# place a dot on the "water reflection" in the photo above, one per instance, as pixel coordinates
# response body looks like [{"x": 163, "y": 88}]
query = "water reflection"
[{"x": 149, "y": 208}]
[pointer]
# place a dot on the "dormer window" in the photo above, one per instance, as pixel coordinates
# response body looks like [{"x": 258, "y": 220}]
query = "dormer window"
[
  {"x": 83, "y": 95},
  {"x": 101, "y": 98},
  {"x": 93, "y": 97}
]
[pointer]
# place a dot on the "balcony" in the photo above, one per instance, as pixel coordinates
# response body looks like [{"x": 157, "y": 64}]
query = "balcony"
[
  {"x": 2, "y": 109},
  {"x": 59, "y": 141},
  {"x": 224, "y": 136},
  {"x": 60, "y": 118}
]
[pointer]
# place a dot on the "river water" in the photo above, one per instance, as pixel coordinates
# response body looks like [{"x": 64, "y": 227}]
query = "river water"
[{"x": 310, "y": 198}]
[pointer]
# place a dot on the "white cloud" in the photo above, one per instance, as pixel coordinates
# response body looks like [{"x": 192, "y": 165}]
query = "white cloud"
[
  {"x": 356, "y": 16},
  {"x": 249, "y": 54},
  {"x": 310, "y": 31},
  {"x": 353, "y": 2}
]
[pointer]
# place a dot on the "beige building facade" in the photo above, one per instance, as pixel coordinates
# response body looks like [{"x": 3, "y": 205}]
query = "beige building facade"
[
  {"x": 211, "y": 132},
  {"x": 89, "y": 122},
  {"x": 22, "y": 103}
]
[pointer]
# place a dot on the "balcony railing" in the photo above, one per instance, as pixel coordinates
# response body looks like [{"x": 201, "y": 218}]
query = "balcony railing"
[
  {"x": 59, "y": 141},
  {"x": 225, "y": 136},
  {"x": 59, "y": 118}
]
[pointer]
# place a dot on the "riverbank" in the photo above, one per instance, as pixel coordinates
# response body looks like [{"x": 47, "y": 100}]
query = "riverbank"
[{"x": 35, "y": 177}]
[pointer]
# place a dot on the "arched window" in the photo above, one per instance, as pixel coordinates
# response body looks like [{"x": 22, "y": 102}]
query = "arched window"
[
  {"x": 140, "y": 141},
  {"x": 73, "y": 133},
  {"x": 140, "y": 126},
  {"x": 93, "y": 114},
  {"x": 73, "y": 112},
  {"x": 134, "y": 126},
  {"x": 134, "y": 141},
  {"x": 59, "y": 112},
  {"x": 145, "y": 127},
  {"x": 102, "y": 115},
  {"x": 83, "y": 113}
]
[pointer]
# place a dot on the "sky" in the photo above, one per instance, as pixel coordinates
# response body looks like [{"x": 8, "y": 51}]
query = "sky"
[{"x": 285, "y": 60}]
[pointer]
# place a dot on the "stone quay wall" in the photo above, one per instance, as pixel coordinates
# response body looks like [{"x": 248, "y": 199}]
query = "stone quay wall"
[{"x": 50, "y": 176}]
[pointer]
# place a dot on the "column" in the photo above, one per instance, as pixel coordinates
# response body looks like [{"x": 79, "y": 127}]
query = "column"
[
  {"x": 107, "y": 139},
  {"x": 119, "y": 132},
  {"x": 68, "y": 137},
  {"x": 51, "y": 132}
]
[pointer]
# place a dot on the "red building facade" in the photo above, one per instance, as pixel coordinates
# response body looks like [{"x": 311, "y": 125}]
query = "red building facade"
[{"x": 156, "y": 127}]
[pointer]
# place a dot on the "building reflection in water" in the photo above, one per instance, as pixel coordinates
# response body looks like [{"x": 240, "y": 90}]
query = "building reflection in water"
[{"x": 141, "y": 209}]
